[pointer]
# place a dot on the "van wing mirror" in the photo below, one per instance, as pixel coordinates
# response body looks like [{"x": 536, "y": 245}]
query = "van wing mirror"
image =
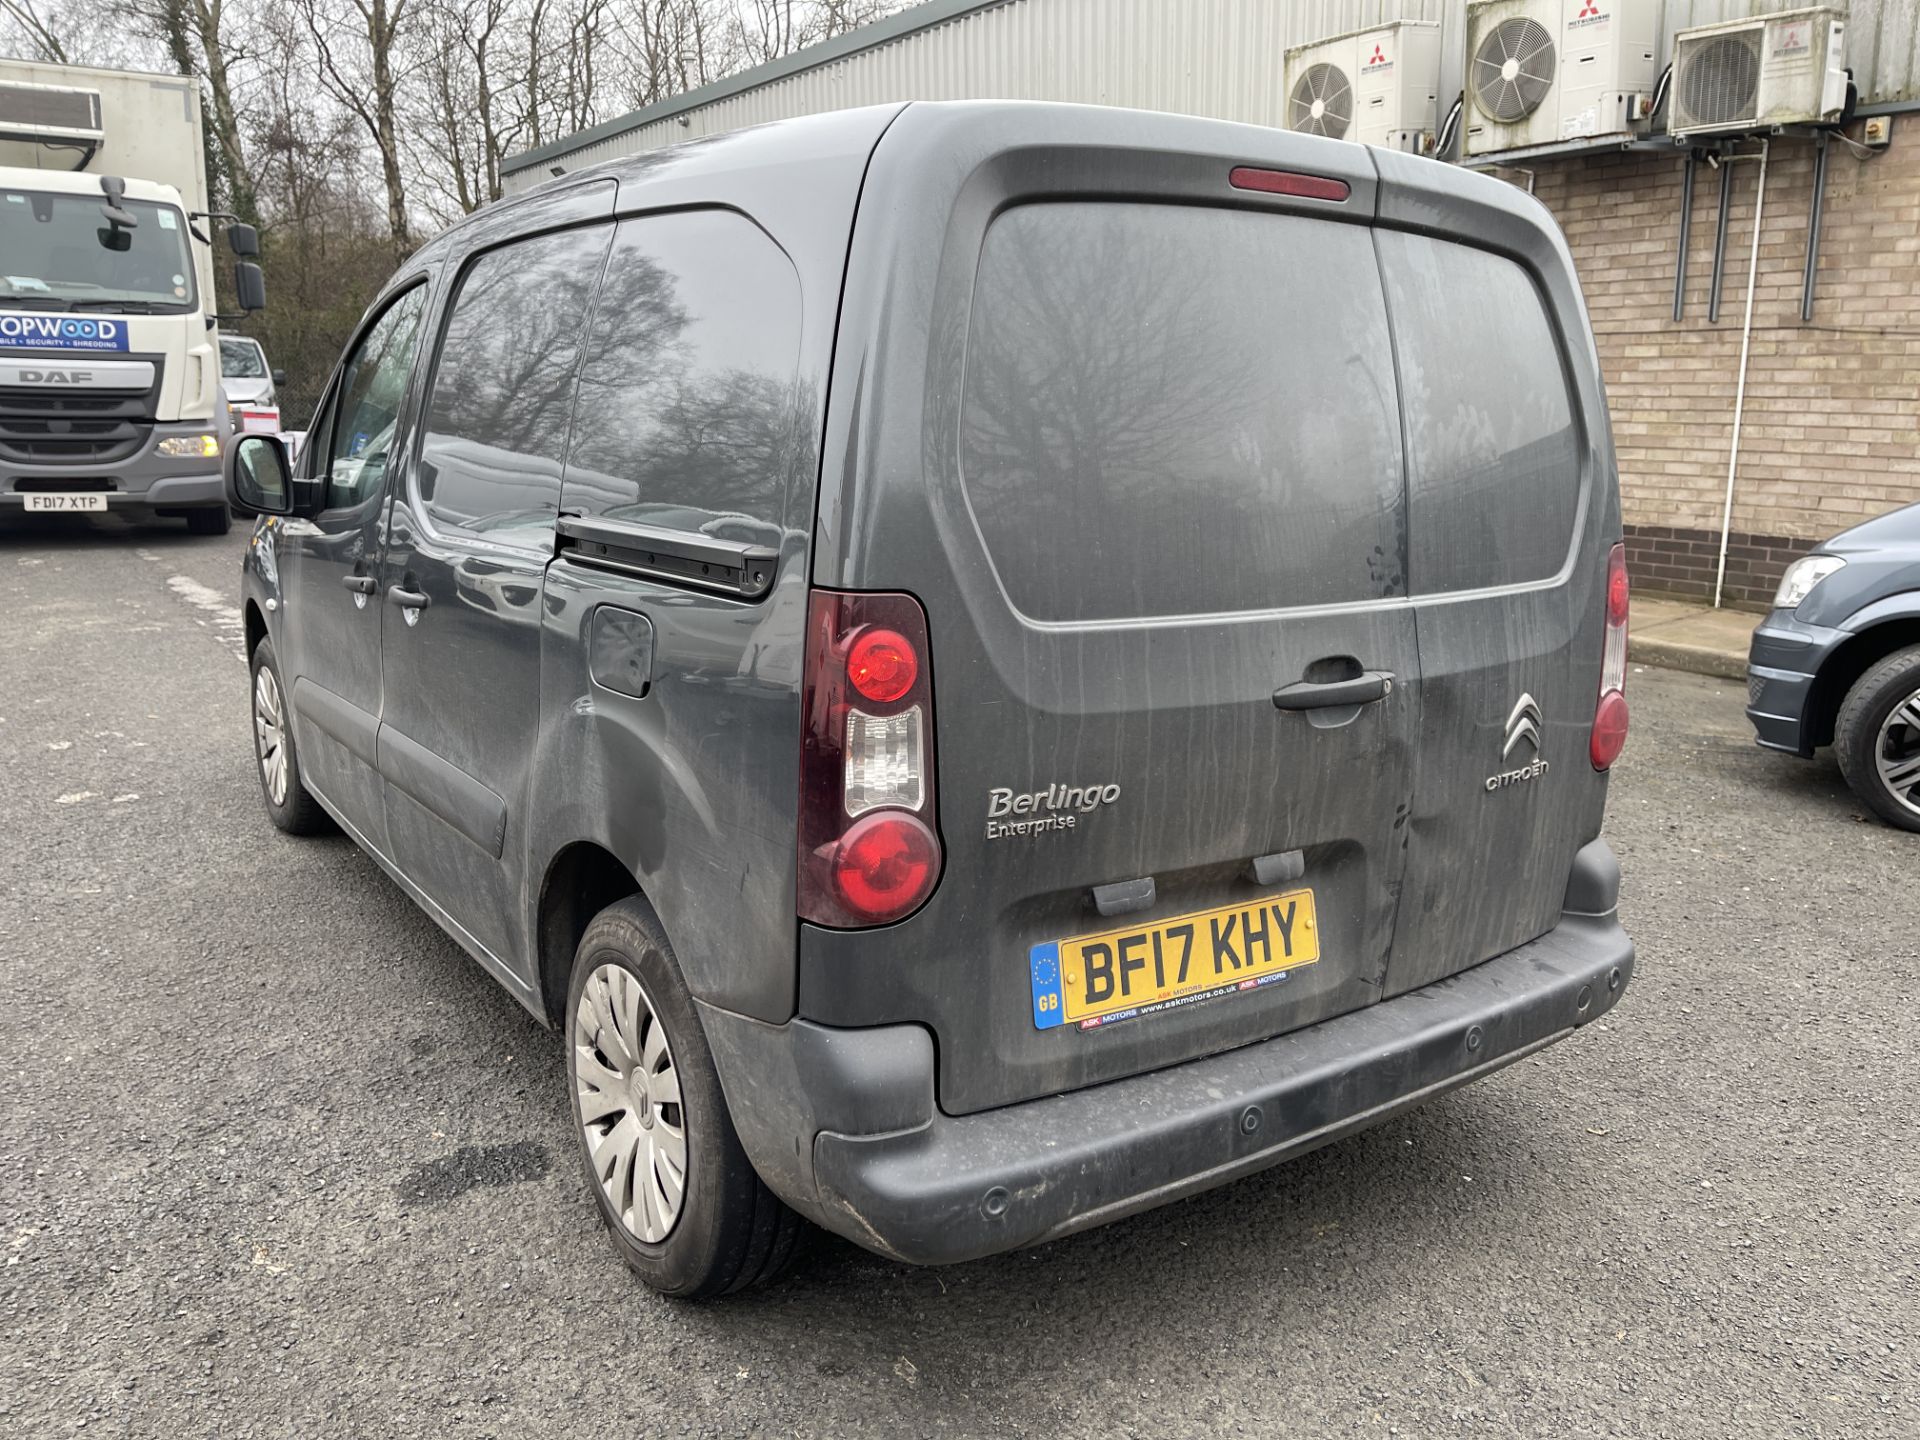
[
  {"x": 249, "y": 286},
  {"x": 259, "y": 475},
  {"x": 243, "y": 240},
  {"x": 279, "y": 377}
]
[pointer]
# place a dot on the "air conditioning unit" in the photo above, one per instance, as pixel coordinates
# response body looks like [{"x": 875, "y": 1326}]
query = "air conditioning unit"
[
  {"x": 1544, "y": 72},
  {"x": 1784, "y": 69},
  {"x": 1375, "y": 86}
]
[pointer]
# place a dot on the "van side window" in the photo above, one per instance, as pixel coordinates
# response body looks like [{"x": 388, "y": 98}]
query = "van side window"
[
  {"x": 1171, "y": 410},
  {"x": 1493, "y": 452},
  {"x": 689, "y": 407},
  {"x": 366, "y": 410},
  {"x": 503, "y": 382}
]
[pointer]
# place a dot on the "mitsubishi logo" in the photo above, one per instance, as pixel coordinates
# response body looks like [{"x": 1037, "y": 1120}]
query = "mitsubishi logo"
[
  {"x": 1588, "y": 11},
  {"x": 1379, "y": 57},
  {"x": 1523, "y": 727},
  {"x": 1523, "y": 724}
]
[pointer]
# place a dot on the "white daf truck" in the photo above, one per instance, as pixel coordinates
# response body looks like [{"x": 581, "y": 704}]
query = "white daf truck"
[{"x": 109, "y": 347}]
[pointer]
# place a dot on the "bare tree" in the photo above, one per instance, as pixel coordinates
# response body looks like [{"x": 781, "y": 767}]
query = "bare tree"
[
  {"x": 356, "y": 45},
  {"x": 41, "y": 31}
]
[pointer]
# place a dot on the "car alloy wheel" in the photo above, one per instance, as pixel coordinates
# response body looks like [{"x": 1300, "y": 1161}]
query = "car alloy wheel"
[
  {"x": 630, "y": 1111},
  {"x": 269, "y": 731},
  {"x": 1896, "y": 754}
]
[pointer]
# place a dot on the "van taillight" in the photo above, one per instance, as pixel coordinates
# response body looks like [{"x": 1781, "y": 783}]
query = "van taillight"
[
  {"x": 1610, "y": 713},
  {"x": 869, "y": 843}
]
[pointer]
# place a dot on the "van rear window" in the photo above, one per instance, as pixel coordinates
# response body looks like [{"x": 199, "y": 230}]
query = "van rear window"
[
  {"x": 1493, "y": 454},
  {"x": 1173, "y": 410}
]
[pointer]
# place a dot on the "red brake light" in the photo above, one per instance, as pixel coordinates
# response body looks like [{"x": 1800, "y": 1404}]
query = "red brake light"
[
  {"x": 882, "y": 665},
  {"x": 1610, "y": 710},
  {"x": 1287, "y": 182},
  {"x": 884, "y": 866},
  {"x": 1617, "y": 586},
  {"x": 1609, "y": 730},
  {"x": 868, "y": 837}
]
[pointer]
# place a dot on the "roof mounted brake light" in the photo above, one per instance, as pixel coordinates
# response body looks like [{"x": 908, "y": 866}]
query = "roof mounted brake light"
[{"x": 1287, "y": 182}]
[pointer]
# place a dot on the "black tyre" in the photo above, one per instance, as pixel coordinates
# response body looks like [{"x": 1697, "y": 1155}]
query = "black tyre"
[
  {"x": 679, "y": 1197},
  {"x": 214, "y": 520},
  {"x": 276, "y": 761},
  {"x": 1877, "y": 738}
]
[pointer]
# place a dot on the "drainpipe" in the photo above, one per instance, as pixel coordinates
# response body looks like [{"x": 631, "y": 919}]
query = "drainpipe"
[{"x": 1740, "y": 388}]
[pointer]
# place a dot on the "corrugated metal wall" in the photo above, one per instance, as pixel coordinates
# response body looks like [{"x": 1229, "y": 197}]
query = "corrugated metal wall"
[{"x": 1206, "y": 57}]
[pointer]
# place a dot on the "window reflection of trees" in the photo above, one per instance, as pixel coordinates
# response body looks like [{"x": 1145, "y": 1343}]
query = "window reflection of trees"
[
  {"x": 375, "y": 384},
  {"x": 503, "y": 384},
  {"x": 689, "y": 413},
  {"x": 1173, "y": 411}
]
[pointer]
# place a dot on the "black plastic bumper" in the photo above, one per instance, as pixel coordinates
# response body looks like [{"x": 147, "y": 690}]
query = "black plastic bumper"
[
  {"x": 1782, "y": 664},
  {"x": 930, "y": 1188}
]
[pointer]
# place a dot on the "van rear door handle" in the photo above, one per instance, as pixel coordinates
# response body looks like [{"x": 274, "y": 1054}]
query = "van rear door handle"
[
  {"x": 1362, "y": 689},
  {"x": 359, "y": 584},
  {"x": 407, "y": 599}
]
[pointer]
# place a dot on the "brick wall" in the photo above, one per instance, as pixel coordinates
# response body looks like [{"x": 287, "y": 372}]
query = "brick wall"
[{"x": 1832, "y": 428}]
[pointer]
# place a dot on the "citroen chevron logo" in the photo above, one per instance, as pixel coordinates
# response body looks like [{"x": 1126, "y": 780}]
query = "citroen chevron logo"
[{"x": 1523, "y": 724}]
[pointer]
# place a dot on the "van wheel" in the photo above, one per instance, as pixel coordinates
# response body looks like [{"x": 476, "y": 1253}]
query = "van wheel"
[
  {"x": 276, "y": 762},
  {"x": 215, "y": 520},
  {"x": 1877, "y": 738},
  {"x": 679, "y": 1197}
]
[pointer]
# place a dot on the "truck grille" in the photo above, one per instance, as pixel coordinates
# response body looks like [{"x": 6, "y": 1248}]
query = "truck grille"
[{"x": 38, "y": 428}]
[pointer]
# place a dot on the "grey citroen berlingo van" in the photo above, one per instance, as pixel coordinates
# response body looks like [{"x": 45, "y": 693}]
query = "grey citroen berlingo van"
[{"x": 988, "y": 666}]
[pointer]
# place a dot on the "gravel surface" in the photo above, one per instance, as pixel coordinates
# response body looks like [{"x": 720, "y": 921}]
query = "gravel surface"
[{"x": 278, "y": 1160}]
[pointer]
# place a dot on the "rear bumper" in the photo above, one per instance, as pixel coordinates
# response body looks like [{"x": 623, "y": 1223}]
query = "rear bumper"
[
  {"x": 1782, "y": 662},
  {"x": 842, "y": 1123}
]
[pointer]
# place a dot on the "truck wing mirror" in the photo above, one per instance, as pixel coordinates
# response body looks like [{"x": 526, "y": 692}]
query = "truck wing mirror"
[
  {"x": 243, "y": 240},
  {"x": 249, "y": 285}
]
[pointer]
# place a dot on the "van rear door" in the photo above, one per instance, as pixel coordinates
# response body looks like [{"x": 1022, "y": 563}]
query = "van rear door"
[
  {"x": 1512, "y": 509},
  {"x": 1144, "y": 472}
]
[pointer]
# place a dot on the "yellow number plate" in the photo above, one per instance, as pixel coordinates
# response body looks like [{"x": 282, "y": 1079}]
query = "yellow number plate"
[{"x": 1093, "y": 980}]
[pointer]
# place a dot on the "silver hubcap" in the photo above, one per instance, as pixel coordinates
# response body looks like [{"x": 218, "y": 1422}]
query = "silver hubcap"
[
  {"x": 629, "y": 1094},
  {"x": 1897, "y": 756},
  {"x": 269, "y": 734}
]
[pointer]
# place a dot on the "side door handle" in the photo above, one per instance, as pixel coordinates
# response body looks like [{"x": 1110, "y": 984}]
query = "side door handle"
[
  {"x": 359, "y": 584},
  {"x": 407, "y": 599},
  {"x": 1362, "y": 689}
]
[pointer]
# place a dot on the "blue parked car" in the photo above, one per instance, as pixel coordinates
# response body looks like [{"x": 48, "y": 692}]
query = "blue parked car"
[{"x": 1837, "y": 662}]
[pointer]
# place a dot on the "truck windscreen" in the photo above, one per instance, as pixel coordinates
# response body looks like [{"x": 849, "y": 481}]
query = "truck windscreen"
[{"x": 60, "y": 248}]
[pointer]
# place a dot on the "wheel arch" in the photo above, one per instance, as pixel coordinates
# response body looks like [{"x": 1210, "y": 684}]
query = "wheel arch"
[
  {"x": 256, "y": 627},
  {"x": 1850, "y": 660},
  {"x": 581, "y": 880}
]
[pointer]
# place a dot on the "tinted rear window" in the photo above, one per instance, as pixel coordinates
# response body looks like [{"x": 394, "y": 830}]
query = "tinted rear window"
[
  {"x": 503, "y": 387},
  {"x": 689, "y": 414},
  {"x": 1174, "y": 410},
  {"x": 1493, "y": 454}
]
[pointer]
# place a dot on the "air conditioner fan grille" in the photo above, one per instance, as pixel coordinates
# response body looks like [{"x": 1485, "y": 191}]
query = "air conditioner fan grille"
[
  {"x": 1719, "y": 80},
  {"x": 1321, "y": 102},
  {"x": 1512, "y": 70}
]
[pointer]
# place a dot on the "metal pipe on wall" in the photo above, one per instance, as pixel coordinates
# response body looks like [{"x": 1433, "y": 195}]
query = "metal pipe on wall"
[
  {"x": 1720, "y": 238},
  {"x": 1740, "y": 387},
  {"x": 1815, "y": 209},
  {"x": 1686, "y": 231}
]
